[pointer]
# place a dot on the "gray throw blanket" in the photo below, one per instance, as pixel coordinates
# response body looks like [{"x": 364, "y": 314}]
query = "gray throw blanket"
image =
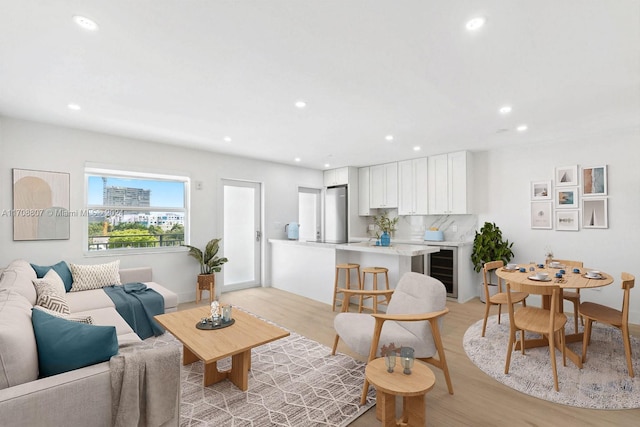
[
  {"x": 137, "y": 304},
  {"x": 145, "y": 385}
]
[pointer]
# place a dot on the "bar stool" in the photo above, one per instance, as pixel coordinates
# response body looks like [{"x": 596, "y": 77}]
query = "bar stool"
[
  {"x": 347, "y": 267},
  {"x": 374, "y": 271}
]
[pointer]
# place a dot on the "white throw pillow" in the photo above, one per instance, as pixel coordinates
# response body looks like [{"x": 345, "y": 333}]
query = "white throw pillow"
[
  {"x": 96, "y": 276},
  {"x": 51, "y": 292},
  {"x": 72, "y": 317}
]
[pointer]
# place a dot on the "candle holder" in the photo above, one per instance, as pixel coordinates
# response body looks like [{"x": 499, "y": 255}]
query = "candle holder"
[{"x": 406, "y": 359}]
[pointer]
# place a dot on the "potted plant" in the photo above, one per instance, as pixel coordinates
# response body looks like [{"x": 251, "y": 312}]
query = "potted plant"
[
  {"x": 488, "y": 245},
  {"x": 210, "y": 263},
  {"x": 385, "y": 226}
]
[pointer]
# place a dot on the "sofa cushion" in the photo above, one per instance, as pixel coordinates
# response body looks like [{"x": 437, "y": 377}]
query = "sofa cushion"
[
  {"x": 88, "y": 300},
  {"x": 18, "y": 351},
  {"x": 64, "y": 345},
  {"x": 95, "y": 276},
  {"x": 61, "y": 268},
  {"x": 108, "y": 316},
  {"x": 74, "y": 317},
  {"x": 18, "y": 276},
  {"x": 51, "y": 292}
]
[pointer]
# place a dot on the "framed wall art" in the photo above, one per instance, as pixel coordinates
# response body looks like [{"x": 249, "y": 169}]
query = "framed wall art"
[
  {"x": 594, "y": 213},
  {"x": 567, "y": 176},
  {"x": 541, "y": 190},
  {"x": 541, "y": 215},
  {"x": 567, "y": 220},
  {"x": 566, "y": 197},
  {"x": 40, "y": 205},
  {"x": 594, "y": 181}
]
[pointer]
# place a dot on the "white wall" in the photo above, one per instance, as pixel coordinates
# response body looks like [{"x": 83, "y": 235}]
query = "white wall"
[
  {"x": 504, "y": 177},
  {"x": 30, "y": 145}
]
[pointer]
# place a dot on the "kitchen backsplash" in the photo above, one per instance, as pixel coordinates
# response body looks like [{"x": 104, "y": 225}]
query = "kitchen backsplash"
[{"x": 456, "y": 228}]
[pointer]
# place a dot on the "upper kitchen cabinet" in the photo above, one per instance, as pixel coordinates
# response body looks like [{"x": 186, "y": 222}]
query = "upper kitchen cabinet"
[
  {"x": 338, "y": 176},
  {"x": 449, "y": 186},
  {"x": 412, "y": 187},
  {"x": 363, "y": 192},
  {"x": 383, "y": 186}
]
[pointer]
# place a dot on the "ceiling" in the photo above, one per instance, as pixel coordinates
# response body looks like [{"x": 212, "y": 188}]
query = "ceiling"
[{"x": 193, "y": 72}]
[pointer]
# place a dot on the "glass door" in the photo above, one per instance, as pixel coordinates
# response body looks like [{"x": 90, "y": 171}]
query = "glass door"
[{"x": 242, "y": 234}]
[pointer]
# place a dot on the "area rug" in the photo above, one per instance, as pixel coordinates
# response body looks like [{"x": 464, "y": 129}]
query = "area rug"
[
  {"x": 293, "y": 382},
  {"x": 602, "y": 383}
]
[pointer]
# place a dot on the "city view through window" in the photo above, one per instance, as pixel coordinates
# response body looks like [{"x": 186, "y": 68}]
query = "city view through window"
[{"x": 134, "y": 213}]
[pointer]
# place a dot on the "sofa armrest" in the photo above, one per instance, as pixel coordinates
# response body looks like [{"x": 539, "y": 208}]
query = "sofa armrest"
[
  {"x": 134, "y": 275},
  {"x": 60, "y": 400}
]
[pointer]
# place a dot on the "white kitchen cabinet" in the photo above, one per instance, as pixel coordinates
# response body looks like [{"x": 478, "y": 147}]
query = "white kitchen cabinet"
[
  {"x": 383, "y": 186},
  {"x": 339, "y": 176},
  {"x": 449, "y": 187},
  {"x": 363, "y": 192},
  {"x": 412, "y": 187}
]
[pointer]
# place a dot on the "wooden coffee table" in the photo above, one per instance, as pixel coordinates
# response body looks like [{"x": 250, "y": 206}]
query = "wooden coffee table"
[
  {"x": 210, "y": 346},
  {"x": 411, "y": 387}
]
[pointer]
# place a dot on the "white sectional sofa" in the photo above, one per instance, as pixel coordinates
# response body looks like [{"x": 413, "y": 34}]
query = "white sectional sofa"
[{"x": 81, "y": 397}]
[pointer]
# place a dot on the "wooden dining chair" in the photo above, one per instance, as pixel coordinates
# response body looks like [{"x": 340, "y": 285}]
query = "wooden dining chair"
[
  {"x": 547, "y": 322},
  {"x": 500, "y": 297},
  {"x": 572, "y": 296},
  {"x": 594, "y": 312}
]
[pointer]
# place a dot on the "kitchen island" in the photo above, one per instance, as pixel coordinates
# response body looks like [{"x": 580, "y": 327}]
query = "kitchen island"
[{"x": 308, "y": 268}]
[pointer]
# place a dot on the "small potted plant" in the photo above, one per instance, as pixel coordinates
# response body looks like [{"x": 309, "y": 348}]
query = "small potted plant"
[
  {"x": 389, "y": 352},
  {"x": 210, "y": 263},
  {"x": 488, "y": 245}
]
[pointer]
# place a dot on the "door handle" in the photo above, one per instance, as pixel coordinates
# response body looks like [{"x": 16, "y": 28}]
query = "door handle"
[{"x": 258, "y": 235}]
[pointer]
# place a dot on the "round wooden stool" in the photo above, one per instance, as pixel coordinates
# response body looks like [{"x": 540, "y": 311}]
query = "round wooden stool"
[
  {"x": 347, "y": 268},
  {"x": 374, "y": 271}
]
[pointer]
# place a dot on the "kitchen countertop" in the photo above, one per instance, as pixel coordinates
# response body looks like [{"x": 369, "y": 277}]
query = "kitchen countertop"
[
  {"x": 400, "y": 249},
  {"x": 409, "y": 241}
]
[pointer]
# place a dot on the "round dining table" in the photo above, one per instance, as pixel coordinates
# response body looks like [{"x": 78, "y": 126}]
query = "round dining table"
[{"x": 526, "y": 274}]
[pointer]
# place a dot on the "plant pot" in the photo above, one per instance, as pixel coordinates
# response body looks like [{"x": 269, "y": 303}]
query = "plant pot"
[
  {"x": 493, "y": 289},
  {"x": 206, "y": 282}
]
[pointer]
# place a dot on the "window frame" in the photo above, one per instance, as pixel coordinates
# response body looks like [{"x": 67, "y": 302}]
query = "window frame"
[{"x": 127, "y": 173}]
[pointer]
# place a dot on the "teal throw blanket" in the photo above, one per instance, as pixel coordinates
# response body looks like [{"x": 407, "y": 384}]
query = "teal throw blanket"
[{"x": 137, "y": 304}]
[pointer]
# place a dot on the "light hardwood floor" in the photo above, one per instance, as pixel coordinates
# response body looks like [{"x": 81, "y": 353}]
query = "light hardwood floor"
[{"x": 477, "y": 396}]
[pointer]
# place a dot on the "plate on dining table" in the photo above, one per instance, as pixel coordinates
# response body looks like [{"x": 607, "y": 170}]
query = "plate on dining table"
[
  {"x": 509, "y": 270},
  {"x": 597, "y": 277},
  {"x": 548, "y": 279}
]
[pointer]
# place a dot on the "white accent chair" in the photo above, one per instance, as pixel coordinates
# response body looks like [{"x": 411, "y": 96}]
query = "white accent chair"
[{"x": 413, "y": 319}]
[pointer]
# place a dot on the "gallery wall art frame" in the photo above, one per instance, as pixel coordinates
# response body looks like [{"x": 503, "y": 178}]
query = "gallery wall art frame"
[
  {"x": 541, "y": 215},
  {"x": 594, "y": 213},
  {"x": 40, "y": 205},
  {"x": 541, "y": 190},
  {"x": 567, "y": 220},
  {"x": 566, "y": 197},
  {"x": 594, "y": 181},
  {"x": 566, "y": 176}
]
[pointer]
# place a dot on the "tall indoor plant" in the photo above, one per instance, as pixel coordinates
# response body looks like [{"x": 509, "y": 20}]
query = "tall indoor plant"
[
  {"x": 210, "y": 263},
  {"x": 488, "y": 245}
]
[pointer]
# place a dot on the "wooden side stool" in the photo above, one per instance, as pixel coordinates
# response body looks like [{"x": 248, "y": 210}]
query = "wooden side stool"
[
  {"x": 374, "y": 271},
  {"x": 347, "y": 268}
]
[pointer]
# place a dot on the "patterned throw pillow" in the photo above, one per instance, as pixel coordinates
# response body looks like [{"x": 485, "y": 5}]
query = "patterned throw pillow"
[
  {"x": 73, "y": 317},
  {"x": 96, "y": 276},
  {"x": 51, "y": 292}
]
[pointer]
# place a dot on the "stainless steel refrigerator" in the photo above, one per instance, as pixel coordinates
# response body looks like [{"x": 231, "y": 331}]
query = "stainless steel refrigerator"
[{"x": 335, "y": 215}]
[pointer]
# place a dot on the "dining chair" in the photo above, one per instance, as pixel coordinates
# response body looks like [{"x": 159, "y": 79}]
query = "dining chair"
[
  {"x": 413, "y": 318},
  {"x": 572, "y": 296},
  {"x": 547, "y": 322},
  {"x": 594, "y": 312},
  {"x": 499, "y": 298}
]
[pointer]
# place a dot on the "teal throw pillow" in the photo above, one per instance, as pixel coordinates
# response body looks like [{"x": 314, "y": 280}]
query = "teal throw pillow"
[
  {"x": 64, "y": 345},
  {"x": 61, "y": 268}
]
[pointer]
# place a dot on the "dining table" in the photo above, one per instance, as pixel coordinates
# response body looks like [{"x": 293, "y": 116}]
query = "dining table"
[{"x": 572, "y": 278}]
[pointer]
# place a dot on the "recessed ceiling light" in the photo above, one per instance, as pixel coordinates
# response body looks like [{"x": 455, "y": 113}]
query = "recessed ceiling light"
[
  {"x": 505, "y": 110},
  {"x": 327, "y": 165},
  {"x": 74, "y": 107},
  {"x": 476, "y": 23},
  {"x": 86, "y": 23},
  {"x": 416, "y": 148},
  {"x": 227, "y": 139},
  {"x": 522, "y": 128},
  {"x": 301, "y": 104},
  {"x": 297, "y": 159},
  {"x": 389, "y": 137}
]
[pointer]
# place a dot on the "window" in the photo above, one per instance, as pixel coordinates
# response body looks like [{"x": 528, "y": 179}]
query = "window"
[{"x": 133, "y": 211}]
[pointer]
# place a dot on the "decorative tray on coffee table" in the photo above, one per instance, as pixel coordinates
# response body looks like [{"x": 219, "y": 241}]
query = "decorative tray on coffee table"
[{"x": 208, "y": 325}]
